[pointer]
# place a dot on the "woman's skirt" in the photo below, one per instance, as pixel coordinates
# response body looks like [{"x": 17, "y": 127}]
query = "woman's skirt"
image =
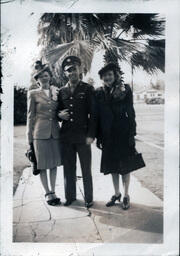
[
  {"x": 118, "y": 156},
  {"x": 121, "y": 165},
  {"x": 48, "y": 153}
]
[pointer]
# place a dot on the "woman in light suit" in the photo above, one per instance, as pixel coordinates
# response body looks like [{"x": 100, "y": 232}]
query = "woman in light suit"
[{"x": 43, "y": 131}]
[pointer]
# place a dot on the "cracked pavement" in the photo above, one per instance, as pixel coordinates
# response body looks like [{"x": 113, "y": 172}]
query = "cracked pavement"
[{"x": 35, "y": 221}]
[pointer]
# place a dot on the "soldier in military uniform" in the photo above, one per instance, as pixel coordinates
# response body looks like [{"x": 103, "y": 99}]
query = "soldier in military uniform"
[{"x": 77, "y": 113}]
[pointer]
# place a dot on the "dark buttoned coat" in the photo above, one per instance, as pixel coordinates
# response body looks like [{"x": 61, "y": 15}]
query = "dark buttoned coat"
[
  {"x": 81, "y": 107},
  {"x": 115, "y": 126}
]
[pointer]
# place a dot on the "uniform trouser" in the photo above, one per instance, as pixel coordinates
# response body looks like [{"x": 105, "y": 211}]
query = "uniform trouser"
[{"x": 69, "y": 154}]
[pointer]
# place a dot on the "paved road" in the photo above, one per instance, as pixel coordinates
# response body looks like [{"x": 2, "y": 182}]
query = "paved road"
[
  {"x": 150, "y": 123},
  {"x": 150, "y": 142}
]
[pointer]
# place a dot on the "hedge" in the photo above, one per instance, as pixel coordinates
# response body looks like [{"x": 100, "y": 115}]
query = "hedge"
[{"x": 20, "y": 105}]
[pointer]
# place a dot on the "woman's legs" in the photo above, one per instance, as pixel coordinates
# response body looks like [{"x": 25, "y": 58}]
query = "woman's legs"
[
  {"x": 52, "y": 175},
  {"x": 115, "y": 179},
  {"x": 117, "y": 196},
  {"x": 51, "y": 198},
  {"x": 44, "y": 180},
  {"x": 126, "y": 199},
  {"x": 126, "y": 181}
]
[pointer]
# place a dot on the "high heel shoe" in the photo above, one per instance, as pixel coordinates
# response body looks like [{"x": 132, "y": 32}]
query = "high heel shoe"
[
  {"x": 56, "y": 199},
  {"x": 126, "y": 202},
  {"x": 51, "y": 199},
  {"x": 113, "y": 200}
]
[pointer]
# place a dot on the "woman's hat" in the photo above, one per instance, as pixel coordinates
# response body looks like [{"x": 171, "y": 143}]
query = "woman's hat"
[
  {"x": 110, "y": 66},
  {"x": 40, "y": 68}
]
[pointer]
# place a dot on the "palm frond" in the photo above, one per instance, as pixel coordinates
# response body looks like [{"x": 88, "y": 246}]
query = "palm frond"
[
  {"x": 151, "y": 59},
  {"x": 79, "y": 34},
  {"x": 141, "y": 25},
  {"x": 58, "y": 52},
  {"x": 125, "y": 48},
  {"x": 81, "y": 49},
  {"x": 86, "y": 52}
]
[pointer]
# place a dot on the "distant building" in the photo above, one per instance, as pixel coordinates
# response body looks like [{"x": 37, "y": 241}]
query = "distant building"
[
  {"x": 141, "y": 96},
  {"x": 152, "y": 93}
]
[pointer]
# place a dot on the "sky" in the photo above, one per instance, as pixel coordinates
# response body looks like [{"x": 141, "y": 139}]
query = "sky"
[{"x": 20, "y": 23}]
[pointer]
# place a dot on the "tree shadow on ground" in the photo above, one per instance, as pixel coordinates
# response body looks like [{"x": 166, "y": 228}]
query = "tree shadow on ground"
[{"x": 138, "y": 217}]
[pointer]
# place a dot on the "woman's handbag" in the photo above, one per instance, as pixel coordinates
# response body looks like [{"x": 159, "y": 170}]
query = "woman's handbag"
[
  {"x": 134, "y": 162},
  {"x": 30, "y": 154}
]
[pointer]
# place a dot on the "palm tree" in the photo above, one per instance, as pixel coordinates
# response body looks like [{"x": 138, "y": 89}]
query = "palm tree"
[
  {"x": 152, "y": 58},
  {"x": 135, "y": 38}
]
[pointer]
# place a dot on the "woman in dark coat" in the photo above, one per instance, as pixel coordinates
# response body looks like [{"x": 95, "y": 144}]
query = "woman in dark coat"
[{"x": 116, "y": 130}]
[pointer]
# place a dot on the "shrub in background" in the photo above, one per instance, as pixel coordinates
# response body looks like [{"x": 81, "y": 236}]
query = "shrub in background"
[{"x": 20, "y": 105}]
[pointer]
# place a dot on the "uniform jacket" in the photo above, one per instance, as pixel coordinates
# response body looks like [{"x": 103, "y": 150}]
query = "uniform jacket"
[
  {"x": 81, "y": 106},
  {"x": 42, "y": 122},
  {"x": 113, "y": 108}
]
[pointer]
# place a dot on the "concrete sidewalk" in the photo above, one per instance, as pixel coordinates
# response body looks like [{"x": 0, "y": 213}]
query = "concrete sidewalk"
[{"x": 35, "y": 221}]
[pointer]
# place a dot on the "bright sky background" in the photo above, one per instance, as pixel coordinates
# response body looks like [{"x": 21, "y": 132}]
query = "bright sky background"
[{"x": 21, "y": 23}]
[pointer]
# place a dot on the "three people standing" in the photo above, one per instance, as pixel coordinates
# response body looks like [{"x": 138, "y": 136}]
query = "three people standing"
[{"x": 106, "y": 114}]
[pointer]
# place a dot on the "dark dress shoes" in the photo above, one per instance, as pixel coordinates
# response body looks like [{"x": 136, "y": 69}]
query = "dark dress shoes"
[
  {"x": 52, "y": 200},
  {"x": 126, "y": 202},
  {"x": 69, "y": 202},
  {"x": 113, "y": 200}
]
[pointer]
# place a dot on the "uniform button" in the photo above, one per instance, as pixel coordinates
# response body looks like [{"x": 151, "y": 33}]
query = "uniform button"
[
  {"x": 50, "y": 110},
  {"x": 71, "y": 113},
  {"x": 71, "y": 105},
  {"x": 71, "y": 120},
  {"x": 71, "y": 98},
  {"x": 50, "y": 119}
]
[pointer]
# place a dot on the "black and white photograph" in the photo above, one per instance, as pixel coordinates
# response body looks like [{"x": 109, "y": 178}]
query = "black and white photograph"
[{"x": 89, "y": 106}]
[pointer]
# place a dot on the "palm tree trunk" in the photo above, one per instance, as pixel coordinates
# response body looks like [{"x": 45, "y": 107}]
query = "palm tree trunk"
[
  {"x": 132, "y": 73},
  {"x": 132, "y": 82}
]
